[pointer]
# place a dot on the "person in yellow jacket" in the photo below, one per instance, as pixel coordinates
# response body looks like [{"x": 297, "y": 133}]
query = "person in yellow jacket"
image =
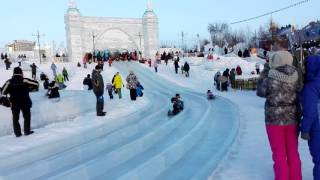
[
  {"x": 60, "y": 81},
  {"x": 118, "y": 84}
]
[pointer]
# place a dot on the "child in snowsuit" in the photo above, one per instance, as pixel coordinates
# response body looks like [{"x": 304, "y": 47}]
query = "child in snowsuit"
[
  {"x": 210, "y": 95},
  {"x": 139, "y": 90},
  {"x": 110, "y": 90},
  {"x": 310, "y": 125}
]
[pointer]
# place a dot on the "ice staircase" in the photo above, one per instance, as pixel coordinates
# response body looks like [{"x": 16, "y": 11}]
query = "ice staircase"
[{"x": 145, "y": 145}]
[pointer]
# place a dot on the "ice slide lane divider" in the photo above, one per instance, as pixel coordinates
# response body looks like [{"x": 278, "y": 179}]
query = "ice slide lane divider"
[{"x": 77, "y": 148}]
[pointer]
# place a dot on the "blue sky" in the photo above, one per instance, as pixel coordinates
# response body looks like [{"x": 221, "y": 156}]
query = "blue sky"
[{"x": 21, "y": 18}]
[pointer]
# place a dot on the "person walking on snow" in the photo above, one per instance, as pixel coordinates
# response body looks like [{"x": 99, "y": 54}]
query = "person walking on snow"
[
  {"x": 186, "y": 68},
  {"x": 139, "y": 90},
  {"x": 217, "y": 81},
  {"x": 118, "y": 84},
  {"x": 232, "y": 77},
  {"x": 239, "y": 70},
  {"x": 65, "y": 74},
  {"x": 110, "y": 62},
  {"x": 54, "y": 69},
  {"x": 132, "y": 82},
  {"x": 257, "y": 68},
  {"x": 280, "y": 88},
  {"x": 34, "y": 71},
  {"x": 310, "y": 124},
  {"x": 19, "y": 88},
  {"x": 110, "y": 90},
  {"x": 155, "y": 65},
  {"x": 98, "y": 89},
  {"x": 176, "y": 66}
]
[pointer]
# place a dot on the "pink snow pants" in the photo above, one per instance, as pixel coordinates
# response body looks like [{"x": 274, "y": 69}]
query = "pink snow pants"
[{"x": 284, "y": 145}]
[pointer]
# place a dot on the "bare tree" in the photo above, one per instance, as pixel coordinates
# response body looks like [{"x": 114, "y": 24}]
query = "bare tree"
[{"x": 219, "y": 32}]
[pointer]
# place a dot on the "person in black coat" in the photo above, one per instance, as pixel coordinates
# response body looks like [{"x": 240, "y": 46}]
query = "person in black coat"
[
  {"x": 186, "y": 68},
  {"x": 88, "y": 82},
  {"x": 176, "y": 107},
  {"x": 226, "y": 73},
  {"x": 46, "y": 83},
  {"x": 176, "y": 66},
  {"x": 98, "y": 89},
  {"x": 19, "y": 88},
  {"x": 34, "y": 71},
  {"x": 53, "y": 90}
]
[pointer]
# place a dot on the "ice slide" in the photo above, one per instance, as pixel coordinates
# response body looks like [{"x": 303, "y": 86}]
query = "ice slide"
[{"x": 144, "y": 145}]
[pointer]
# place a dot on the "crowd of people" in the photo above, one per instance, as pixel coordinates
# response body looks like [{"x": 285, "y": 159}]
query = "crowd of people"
[{"x": 222, "y": 81}]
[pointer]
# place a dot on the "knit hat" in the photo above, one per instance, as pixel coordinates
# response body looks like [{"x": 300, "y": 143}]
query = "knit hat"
[
  {"x": 281, "y": 58},
  {"x": 17, "y": 71}
]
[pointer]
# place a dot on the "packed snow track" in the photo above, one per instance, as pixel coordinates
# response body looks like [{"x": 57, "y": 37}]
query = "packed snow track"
[{"x": 144, "y": 145}]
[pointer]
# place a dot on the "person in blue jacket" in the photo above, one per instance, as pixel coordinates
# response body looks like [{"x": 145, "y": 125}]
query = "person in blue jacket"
[
  {"x": 139, "y": 90},
  {"x": 310, "y": 124}
]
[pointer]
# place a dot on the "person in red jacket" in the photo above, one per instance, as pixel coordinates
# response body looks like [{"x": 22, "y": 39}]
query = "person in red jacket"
[
  {"x": 239, "y": 70},
  {"x": 110, "y": 62}
]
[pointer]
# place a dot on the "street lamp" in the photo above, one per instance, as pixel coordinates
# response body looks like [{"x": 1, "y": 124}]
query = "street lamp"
[{"x": 38, "y": 35}]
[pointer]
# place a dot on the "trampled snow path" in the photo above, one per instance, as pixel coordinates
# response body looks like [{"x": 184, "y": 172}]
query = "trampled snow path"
[{"x": 144, "y": 145}]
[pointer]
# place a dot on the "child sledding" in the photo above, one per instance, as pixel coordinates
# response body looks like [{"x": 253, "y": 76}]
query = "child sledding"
[
  {"x": 177, "y": 105},
  {"x": 210, "y": 95}
]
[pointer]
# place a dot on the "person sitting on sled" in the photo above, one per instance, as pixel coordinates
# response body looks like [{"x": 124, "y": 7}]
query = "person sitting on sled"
[
  {"x": 210, "y": 95},
  {"x": 176, "y": 109}
]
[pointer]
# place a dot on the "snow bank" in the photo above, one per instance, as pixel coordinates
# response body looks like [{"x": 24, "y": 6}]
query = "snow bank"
[{"x": 47, "y": 111}]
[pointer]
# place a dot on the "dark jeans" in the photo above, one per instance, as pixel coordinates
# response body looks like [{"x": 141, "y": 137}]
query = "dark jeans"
[
  {"x": 258, "y": 71},
  {"x": 34, "y": 76},
  {"x": 187, "y": 73},
  {"x": 66, "y": 77},
  {"x": 156, "y": 69},
  {"x": 133, "y": 94},
  {"x": 15, "y": 118},
  {"x": 176, "y": 69},
  {"x": 100, "y": 105},
  {"x": 110, "y": 94}
]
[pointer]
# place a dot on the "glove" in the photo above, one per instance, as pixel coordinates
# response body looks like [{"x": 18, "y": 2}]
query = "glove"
[{"x": 305, "y": 136}]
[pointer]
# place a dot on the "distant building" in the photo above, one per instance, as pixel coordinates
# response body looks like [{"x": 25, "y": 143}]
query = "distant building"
[
  {"x": 309, "y": 36},
  {"x": 21, "y": 45}
]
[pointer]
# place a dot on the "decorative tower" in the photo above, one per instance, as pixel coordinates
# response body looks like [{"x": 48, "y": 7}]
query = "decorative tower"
[
  {"x": 150, "y": 32},
  {"x": 73, "y": 27}
]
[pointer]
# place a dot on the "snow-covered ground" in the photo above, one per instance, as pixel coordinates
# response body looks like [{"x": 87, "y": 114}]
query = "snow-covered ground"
[{"x": 220, "y": 139}]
